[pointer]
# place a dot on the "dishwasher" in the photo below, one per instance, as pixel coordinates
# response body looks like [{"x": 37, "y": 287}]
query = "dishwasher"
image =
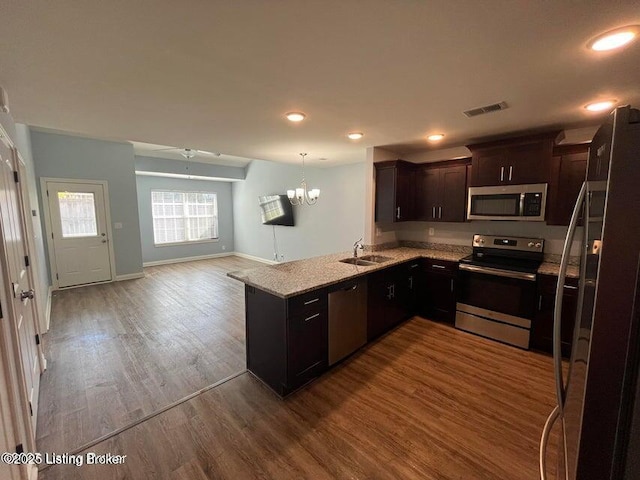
[{"x": 347, "y": 319}]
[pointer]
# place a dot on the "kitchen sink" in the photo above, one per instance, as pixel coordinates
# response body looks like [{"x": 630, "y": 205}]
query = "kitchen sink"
[
  {"x": 366, "y": 260},
  {"x": 358, "y": 261},
  {"x": 375, "y": 258}
]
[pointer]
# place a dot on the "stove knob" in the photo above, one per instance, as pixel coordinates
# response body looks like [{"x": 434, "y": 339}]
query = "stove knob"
[
  {"x": 482, "y": 240},
  {"x": 531, "y": 244},
  {"x": 538, "y": 245}
]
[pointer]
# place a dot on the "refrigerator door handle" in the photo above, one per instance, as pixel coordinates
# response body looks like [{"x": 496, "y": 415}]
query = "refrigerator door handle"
[
  {"x": 544, "y": 440},
  {"x": 557, "y": 312}
]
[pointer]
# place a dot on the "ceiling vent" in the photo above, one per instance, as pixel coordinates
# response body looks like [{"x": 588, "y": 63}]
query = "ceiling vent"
[{"x": 474, "y": 112}]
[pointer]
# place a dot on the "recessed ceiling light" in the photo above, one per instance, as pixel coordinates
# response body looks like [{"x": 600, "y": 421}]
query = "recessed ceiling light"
[
  {"x": 436, "y": 137},
  {"x": 614, "y": 38},
  {"x": 600, "y": 106},
  {"x": 355, "y": 135},
  {"x": 295, "y": 116}
]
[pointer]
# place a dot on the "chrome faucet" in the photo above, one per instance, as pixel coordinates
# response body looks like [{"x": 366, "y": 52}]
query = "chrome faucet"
[{"x": 356, "y": 246}]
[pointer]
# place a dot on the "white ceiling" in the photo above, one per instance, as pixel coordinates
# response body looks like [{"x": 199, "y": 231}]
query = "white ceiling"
[{"x": 219, "y": 75}]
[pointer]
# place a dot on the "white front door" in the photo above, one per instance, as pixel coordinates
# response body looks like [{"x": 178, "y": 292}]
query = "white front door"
[
  {"x": 79, "y": 233},
  {"x": 14, "y": 266}
]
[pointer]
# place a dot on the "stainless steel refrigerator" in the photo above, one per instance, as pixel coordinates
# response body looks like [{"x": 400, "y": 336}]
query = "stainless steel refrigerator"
[{"x": 596, "y": 398}]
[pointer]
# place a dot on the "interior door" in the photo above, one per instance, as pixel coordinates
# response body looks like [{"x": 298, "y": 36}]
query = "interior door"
[
  {"x": 79, "y": 233},
  {"x": 13, "y": 260}
]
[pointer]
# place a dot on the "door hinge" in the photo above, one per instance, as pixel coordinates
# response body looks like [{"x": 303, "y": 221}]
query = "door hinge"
[
  {"x": 1, "y": 316},
  {"x": 26, "y": 260},
  {"x": 15, "y": 176},
  {"x": 47, "y": 193},
  {"x": 37, "y": 339},
  {"x": 57, "y": 277},
  {"x": 19, "y": 448},
  {"x": 51, "y": 234},
  {"x": 31, "y": 409}
]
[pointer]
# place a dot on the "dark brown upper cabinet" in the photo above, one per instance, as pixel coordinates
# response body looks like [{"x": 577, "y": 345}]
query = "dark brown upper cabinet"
[
  {"x": 441, "y": 191},
  {"x": 568, "y": 171},
  {"x": 395, "y": 191},
  {"x": 513, "y": 161}
]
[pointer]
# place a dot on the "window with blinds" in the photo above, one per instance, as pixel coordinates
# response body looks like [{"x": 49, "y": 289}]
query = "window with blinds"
[{"x": 181, "y": 217}]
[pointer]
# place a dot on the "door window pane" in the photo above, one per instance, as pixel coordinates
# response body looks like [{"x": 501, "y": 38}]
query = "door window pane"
[{"x": 78, "y": 214}]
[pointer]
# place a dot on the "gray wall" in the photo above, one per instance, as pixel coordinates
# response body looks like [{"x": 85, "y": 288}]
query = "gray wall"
[
  {"x": 151, "y": 253},
  {"x": 64, "y": 156},
  {"x": 331, "y": 225}
]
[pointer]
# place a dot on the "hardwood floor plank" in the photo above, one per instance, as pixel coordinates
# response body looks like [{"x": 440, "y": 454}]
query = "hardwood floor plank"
[
  {"x": 120, "y": 351},
  {"x": 425, "y": 401}
]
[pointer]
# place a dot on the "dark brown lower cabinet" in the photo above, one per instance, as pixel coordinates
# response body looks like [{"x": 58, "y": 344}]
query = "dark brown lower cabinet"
[
  {"x": 287, "y": 342},
  {"x": 391, "y": 297},
  {"x": 287, "y": 339},
  {"x": 437, "y": 292},
  {"x": 542, "y": 326}
]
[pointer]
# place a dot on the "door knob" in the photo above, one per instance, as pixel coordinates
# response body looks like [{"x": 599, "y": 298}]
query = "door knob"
[
  {"x": 104, "y": 241},
  {"x": 28, "y": 294}
]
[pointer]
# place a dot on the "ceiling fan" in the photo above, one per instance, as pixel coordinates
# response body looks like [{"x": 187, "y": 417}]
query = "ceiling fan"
[{"x": 187, "y": 152}]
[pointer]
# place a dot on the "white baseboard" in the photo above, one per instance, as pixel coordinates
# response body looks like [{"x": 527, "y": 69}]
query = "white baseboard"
[
  {"x": 257, "y": 259},
  {"x": 47, "y": 310},
  {"x": 186, "y": 259},
  {"x": 129, "y": 276}
]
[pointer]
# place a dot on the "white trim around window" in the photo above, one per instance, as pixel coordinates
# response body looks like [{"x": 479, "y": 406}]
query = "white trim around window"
[{"x": 184, "y": 217}]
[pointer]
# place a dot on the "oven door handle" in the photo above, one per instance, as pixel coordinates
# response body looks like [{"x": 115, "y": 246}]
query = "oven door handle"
[{"x": 531, "y": 277}]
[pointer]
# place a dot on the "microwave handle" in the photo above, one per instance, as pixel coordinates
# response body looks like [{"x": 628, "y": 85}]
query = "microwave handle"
[{"x": 522, "y": 204}]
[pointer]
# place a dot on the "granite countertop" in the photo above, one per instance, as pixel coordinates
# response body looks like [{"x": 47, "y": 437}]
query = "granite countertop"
[
  {"x": 548, "y": 268},
  {"x": 300, "y": 276}
]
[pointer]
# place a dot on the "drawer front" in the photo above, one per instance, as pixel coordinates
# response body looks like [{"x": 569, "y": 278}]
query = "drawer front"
[
  {"x": 310, "y": 302},
  {"x": 442, "y": 266},
  {"x": 307, "y": 342},
  {"x": 516, "y": 336}
]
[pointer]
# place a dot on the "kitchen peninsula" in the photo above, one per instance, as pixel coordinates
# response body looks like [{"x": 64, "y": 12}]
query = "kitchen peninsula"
[{"x": 287, "y": 304}]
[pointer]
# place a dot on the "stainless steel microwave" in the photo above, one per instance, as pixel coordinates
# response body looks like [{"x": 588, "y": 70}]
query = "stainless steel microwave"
[{"x": 508, "y": 202}]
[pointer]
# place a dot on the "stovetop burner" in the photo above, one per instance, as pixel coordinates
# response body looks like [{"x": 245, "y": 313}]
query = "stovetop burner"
[
  {"x": 507, "y": 253},
  {"x": 505, "y": 263}
]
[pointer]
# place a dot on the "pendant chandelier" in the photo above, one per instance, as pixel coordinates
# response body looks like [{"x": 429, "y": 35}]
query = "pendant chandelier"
[{"x": 302, "y": 195}]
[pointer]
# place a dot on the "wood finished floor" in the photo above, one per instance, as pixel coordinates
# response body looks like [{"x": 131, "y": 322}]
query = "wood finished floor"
[
  {"x": 424, "y": 402},
  {"x": 117, "y": 352}
]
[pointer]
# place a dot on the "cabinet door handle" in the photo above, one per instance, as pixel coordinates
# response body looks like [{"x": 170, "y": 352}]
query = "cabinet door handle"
[
  {"x": 410, "y": 283},
  {"x": 502, "y": 174},
  {"x": 452, "y": 285},
  {"x": 311, "y": 317},
  {"x": 433, "y": 212},
  {"x": 398, "y": 213},
  {"x": 415, "y": 265},
  {"x": 539, "y": 303},
  {"x": 389, "y": 290},
  {"x": 439, "y": 212},
  {"x": 570, "y": 287},
  {"x": 311, "y": 301},
  {"x": 510, "y": 171},
  {"x": 438, "y": 266}
]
